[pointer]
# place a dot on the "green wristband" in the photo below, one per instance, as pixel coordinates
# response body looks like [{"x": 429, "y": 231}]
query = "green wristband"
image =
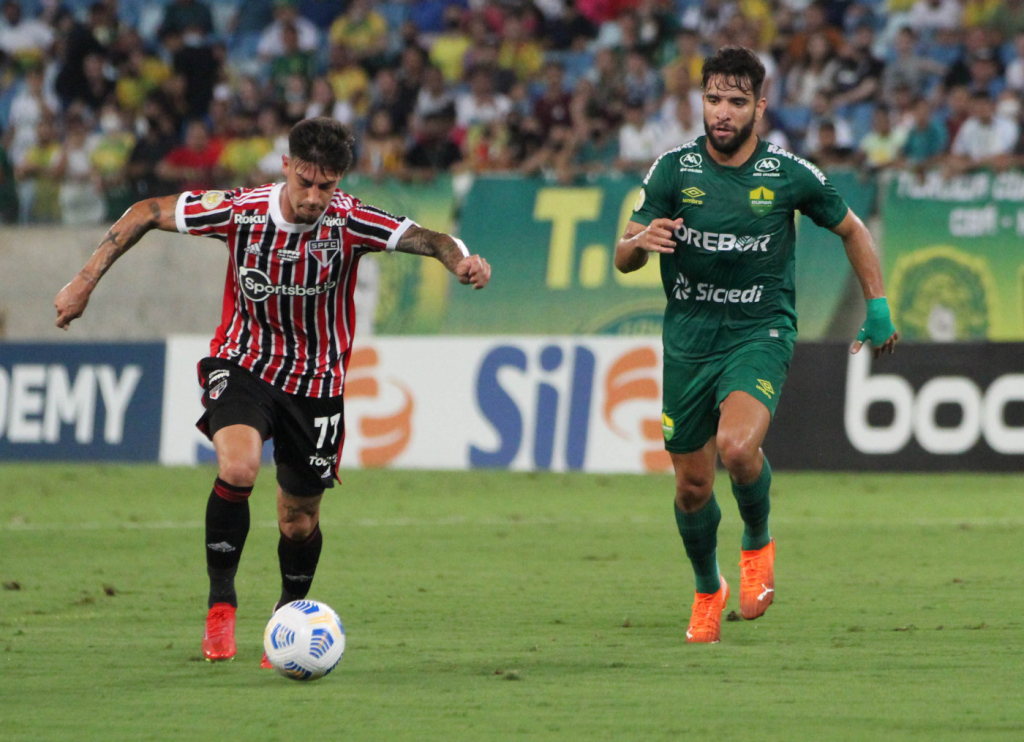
[{"x": 878, "y": 326}]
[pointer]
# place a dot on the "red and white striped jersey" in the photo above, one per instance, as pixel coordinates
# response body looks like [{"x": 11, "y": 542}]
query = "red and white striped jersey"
[{"x": 288, "y": 312}]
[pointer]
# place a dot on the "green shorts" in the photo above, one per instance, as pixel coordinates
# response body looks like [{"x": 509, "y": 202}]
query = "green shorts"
[{"x": 693, "y": 390}]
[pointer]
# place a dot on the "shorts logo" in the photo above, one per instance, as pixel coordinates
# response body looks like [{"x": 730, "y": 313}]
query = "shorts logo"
[
  {"x": 693, "y": 195},
  {"x": 668, "y": 426},
  {"x": 218, "y": 382},
  {"x": 640, "y": 198},
  {"x": 767, "y": 165},
  {"x": 761, "y": 200},
  {"x": 212, "y": 199},
  {"x": 766, "y": 388},
  {"x": 691, "y": 160},
  {"x": 324, "y": 250},
  {"x": 218, "y": 390}
]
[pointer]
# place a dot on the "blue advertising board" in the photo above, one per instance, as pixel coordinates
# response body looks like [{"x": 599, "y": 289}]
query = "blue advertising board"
[{"x": 81, "y": 401}]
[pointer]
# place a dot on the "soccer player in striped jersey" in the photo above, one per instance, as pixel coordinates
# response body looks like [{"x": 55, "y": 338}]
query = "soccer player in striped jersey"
[{"x": 278, "y": 359}]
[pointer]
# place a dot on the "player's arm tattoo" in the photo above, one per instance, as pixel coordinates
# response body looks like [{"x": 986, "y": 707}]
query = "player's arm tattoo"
[
  {"x": 153, "y": 213},
  {"x": 418, "y": 240}
]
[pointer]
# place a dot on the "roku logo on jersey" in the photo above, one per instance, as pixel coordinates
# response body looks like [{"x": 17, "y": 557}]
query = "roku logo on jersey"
[
  {"x": 333, "y": 221},
  {"x": 721, "y": 242},
  {"x": 256, "y": 286},
  {"x": 250, "y": 218}
]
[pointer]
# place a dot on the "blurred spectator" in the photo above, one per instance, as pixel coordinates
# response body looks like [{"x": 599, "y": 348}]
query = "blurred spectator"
[
  {"x": 239, "y": 159},
  {"x": 958, "y": 110},
  {"x": 81, "y": 200},
  {"x": 323, "y": 103},
  {"x": 38, "y": 186},
  {"x": 569, "y": 30},
  {"x": 98, "y": 88},
  {"x": 199, "y": 67},
  {"x": 387, "y": 96},
  {"x": 519, "y": 53},
  {"x": 815, "y": 21},
  {"x": 883, "y": 144},
  {"x": 109, "y": 158},
  {"x": 434, "y": 99},
  {"x": 480, "y": 105},
  {"x": 638, "y": 140},
  {"x": 609, "y": 89},
  {"x": 766, "y": 129},
  {"x": 1008, "y": 18},
  {"x": 975, "y": 43},
  {"x": 191, "y": 166},
  {"x": 271, "y": 43},
  {"x": 686, "y": 61},
  {"x": 858, "y": 76},
  {"x": 363, "y": 31},
  {"x": 680, "y": 128},
  {"x": 82, "y": 40},
  {"x": 381, "y": 149},
  {"x": 294, "y": 98},
  {"x": 983, "y": 138},
  {"x": 709, "y": 17},
  {"x": 139, "y": 73},
  {"x": 159, "y": 136},
  {"x": 8, "y": 190},
  {"x": 908, "y": 68},
  {"x": 449, "y": 48},
  {"x": 640, "y": 81},
  {"x": 187, "y": 17},
  {"x": 349, "y": 80},
  {"x": 486, "y": 146},
  {"x": 25, "y": 41},
  {"x": 29, "y": 106},
  {"x": 433, "y": 150},
  {"x": 594, "y": 152},
  {"x": 814, "y": 73},
  {"x": 827, "y": 151},
  {"x": 986, "y": 73},
  {"x": 411, "y": 66},
  {"x": 926, "y": 140},
  {"x": 429, "y": 16},
  {"x": 552, "y": 108},
  {"x": 930, "y": 15},
  {"x": 1015, "y": 70},
  {"x": 292, "y": 60},
  {"x": 822, "y": 113}
]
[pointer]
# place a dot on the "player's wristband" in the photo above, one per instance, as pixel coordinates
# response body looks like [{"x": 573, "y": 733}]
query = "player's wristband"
[
  {"x": 878, "y": 326},
  {"x": 462, "y": 246}
]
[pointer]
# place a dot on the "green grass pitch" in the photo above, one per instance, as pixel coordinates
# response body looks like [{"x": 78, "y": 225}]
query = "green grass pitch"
[{"x": 487, "y": 605}]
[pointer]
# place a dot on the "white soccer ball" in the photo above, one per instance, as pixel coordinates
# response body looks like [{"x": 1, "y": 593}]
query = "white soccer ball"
[{"x": 304, "y": 640}]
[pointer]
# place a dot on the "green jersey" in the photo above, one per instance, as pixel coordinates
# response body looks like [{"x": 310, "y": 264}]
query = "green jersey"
[{"x": 731, "y": 277}]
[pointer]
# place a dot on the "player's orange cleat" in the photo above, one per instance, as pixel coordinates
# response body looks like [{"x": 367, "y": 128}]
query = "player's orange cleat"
[
  {"x": 706, "y": 619},
  {"x": 757, "y": 580},
  {"x": 219, "y": 639}
]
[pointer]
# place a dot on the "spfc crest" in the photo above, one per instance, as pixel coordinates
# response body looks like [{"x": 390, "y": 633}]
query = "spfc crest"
[{"x": 324, "y": 250}]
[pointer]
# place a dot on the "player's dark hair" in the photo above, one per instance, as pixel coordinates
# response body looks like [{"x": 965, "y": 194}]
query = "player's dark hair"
[
  {"x": 738, "y": 66},
  {"x": 322, "y": 142}
]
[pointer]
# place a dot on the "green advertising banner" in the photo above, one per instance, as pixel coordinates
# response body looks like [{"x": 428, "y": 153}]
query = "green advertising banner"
[
  {"x": 551, "y": 249},
  {"x": 953, "y": 256},
  {"x": 412, "y": 293}
]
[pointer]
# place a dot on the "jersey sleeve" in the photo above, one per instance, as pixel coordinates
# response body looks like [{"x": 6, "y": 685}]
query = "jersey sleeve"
[
  {"x": 656, "y": 197},
  {"x": 204, "y": 213},
  {"x": 375, "y": 229},
  {"x": 818, "y": 198}
]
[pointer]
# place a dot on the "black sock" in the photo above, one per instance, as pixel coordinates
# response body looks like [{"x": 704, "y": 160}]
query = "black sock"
[
  {"x": 298, "y": 564},
  {"x": 227, "y": 525}
]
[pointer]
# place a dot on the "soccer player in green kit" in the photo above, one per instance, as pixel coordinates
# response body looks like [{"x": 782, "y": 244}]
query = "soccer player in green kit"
[{"x": 720, "y": 212}]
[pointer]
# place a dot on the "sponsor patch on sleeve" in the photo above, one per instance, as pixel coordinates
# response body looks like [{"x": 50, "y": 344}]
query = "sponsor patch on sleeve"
[{"x": 212, "y": 199}]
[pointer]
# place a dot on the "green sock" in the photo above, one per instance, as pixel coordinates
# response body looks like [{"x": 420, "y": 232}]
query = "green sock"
[
  {"x": 754, "y": 508},
  {"x": 700, "y": 537}
]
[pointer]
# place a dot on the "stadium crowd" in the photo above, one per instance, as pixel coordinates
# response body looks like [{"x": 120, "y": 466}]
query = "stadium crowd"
[{"x": 105, "y": 102}]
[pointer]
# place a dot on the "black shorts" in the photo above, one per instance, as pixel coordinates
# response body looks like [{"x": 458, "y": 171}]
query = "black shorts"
[{"x": 308, "y": 433}]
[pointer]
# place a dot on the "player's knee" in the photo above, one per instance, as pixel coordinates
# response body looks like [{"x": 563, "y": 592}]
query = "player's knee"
[
  {"x": 692, "y": 492},
  {"x": 299, "y": 529},
  {"x": 738, "y": 455},
  {"x": 239, "y": 471}
]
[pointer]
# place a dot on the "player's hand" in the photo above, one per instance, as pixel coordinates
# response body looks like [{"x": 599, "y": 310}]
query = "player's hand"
[
  {"x": 658, "y": 236},
  {"x": 473, "y": 270},
  {"x": 72, "y": 300},
  {"x": 877, "y": 329}
]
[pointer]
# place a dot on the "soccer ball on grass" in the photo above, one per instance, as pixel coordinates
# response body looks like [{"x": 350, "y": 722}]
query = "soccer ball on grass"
[{"x": 304, "y": 640}]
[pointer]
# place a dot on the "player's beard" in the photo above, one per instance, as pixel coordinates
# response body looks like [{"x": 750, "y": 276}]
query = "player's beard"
[{"x": 730, "y": 146}]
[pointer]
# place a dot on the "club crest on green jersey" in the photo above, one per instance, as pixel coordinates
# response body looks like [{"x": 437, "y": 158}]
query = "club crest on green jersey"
[{"x": 761, "y": 200}]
